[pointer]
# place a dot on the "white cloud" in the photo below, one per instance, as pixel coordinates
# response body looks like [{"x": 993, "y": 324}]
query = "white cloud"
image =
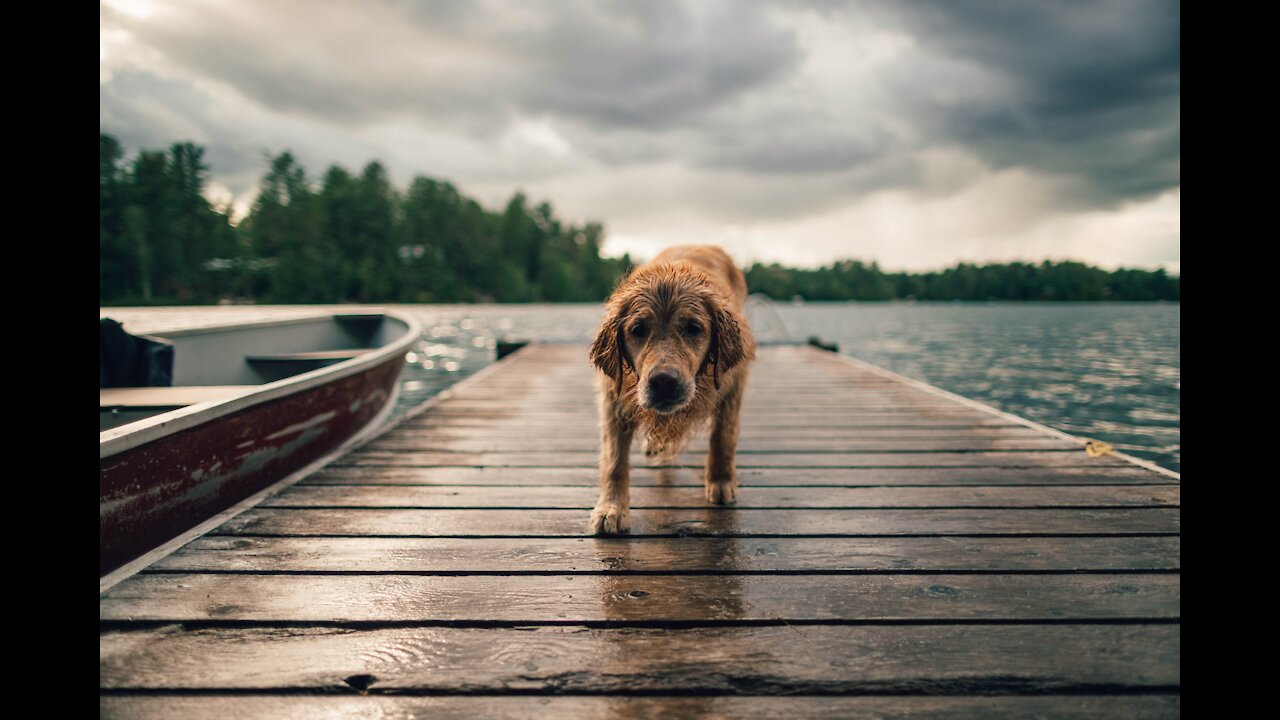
[{"x": 999, "y": 217}]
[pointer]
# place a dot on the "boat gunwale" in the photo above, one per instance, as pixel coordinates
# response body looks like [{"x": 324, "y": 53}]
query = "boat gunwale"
[{"x": 122, "y": 438}]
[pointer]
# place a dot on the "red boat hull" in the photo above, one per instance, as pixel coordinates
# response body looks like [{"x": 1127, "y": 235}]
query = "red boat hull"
[{"x": 155, "y": 492}]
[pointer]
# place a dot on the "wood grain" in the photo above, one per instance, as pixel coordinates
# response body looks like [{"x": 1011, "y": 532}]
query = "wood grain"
[
  {"x": 658, "y": 555},
  {"x": 748, "y": 497},
  {"x": 620, "y": 707},
  {"x": 707, "y": 521},
  {"x": 749, "y": 477},
  {"x": 529, "y": 599},
  {"x": 747, "y": 446},
  {"x": 835, "y": 459},
  {"x": 822, "y": 659}
]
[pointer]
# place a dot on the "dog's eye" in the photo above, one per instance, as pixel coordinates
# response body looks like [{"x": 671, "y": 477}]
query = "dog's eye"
[
  {"x": 638, "y": 329},
  {"x": 692, "y": 328}
]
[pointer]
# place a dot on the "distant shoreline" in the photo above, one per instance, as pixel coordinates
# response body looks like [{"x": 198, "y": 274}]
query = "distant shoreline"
[{"x": 356, "y": 236}]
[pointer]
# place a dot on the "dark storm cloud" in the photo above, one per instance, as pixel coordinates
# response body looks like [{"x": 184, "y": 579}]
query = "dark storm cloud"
[
  {"x": 1086, "y": 91},
  {"x": 1093, "y": 88},
  {"x": 648, "y": 65},
  {"x": 651, "y": 65}
]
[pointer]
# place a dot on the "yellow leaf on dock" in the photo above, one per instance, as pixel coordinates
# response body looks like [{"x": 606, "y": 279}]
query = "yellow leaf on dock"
[{"x": 1097, "y": 448}]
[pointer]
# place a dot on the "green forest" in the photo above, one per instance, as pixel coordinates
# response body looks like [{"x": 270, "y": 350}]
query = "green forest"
[{"x": 355, "y": 238}]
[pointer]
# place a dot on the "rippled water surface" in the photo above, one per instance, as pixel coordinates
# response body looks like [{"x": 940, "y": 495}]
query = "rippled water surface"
[{"x": 1107, "y": 371}]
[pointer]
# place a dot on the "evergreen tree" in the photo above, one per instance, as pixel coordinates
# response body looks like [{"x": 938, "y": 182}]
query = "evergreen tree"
[{"x": 358, "y": 239}]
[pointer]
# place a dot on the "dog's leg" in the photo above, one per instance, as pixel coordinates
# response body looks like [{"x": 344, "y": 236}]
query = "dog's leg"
[
  {"x": 612, "y": 514},
  {"x": 721, "y": 479}
]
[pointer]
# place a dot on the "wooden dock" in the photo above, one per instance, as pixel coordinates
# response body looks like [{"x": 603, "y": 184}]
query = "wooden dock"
[{"x": 894, "y": 552}]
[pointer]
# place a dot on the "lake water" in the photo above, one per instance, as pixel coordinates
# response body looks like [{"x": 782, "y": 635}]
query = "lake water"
[{"x": 1109, "y": 371}]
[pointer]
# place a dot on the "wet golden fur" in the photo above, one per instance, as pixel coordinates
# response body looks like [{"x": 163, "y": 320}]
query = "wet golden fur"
[{"x": 680, "y": 315}]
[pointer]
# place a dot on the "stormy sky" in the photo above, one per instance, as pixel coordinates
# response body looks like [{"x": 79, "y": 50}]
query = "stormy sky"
[{"x": 915, "y": 134}]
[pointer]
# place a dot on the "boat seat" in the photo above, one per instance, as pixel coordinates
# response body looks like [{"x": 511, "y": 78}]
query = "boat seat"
[
  {"x": 316, "y": 356},
  {"x": 180, "y": 396}
]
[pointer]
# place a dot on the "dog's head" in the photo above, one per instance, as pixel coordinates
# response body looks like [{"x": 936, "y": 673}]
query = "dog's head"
[{"x": 668, "y": 325}]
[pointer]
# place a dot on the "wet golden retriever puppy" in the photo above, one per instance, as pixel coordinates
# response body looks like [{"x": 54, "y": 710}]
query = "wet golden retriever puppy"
[{"x": 672, "y": 354}]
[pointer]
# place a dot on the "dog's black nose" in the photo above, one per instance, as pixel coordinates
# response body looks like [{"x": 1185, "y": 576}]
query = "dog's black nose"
[{"x": 664, "y": 387}]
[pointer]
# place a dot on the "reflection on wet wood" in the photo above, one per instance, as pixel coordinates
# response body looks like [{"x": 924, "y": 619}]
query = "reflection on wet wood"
[
  {"x": 750, "y": 477},
  {"x": 748, "y": 446},
  {"x": 579, "y": 422},
  {"x": 705, "y": 522},
  {"x": 650, "y": 598},
  {"x": 894, "y": 553},
  {"x": 818, "y": 659},
  {"x": 835, "y": 459},
  {"x": 624, "y": 707},
  {"x": 668, "y": 497},
  {"x": 667, "y": 555}
]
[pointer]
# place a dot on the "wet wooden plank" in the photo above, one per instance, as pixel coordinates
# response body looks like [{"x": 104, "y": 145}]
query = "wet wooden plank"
[
  {"x": 751, "y": 435},
  {"x": 706, "y": 521},
  {"x": 587, "y": 407},
  {"x": 521, "y": 599},
  {"x": 749, "y": 477},
  {"x": 826, "y": 659},
  {"x": 747, "y": 446},
  {"x": 748, "y": 497},
  {"x": 656, "y": 555},
  {"x": 507, "y": 422},
  {"x": 1045, "y": 458},
  {"x": 762, "y": 416},
  {"x": 756, "y": 431},
  {"x": 569, "y": 400},
  {"x": 566, "y": 392},
  {"x": 379, "y": 707}
]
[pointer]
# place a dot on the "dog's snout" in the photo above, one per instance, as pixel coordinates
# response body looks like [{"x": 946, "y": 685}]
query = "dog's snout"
[
  {"x": 665, "y": 388},
  {"x": 664, "y": 384}
]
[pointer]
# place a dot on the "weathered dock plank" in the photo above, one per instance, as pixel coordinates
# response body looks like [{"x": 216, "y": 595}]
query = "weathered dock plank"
[
  {"x": 533, "y": 599},
  {"x": 749, "y": 477},
  {"x": 894, "y": 552},
  {"x": 536, "y": 522},
  {"x": 748, "y": 446},
  {"x": 666, "y": 555},
  {"x": 816, "y": 659},
  {"x": 464, "y": 707},
  {"x": 504, "y": 422},
  {"x": 318, "y": 496},
  {"x": 835, "y": 459}
]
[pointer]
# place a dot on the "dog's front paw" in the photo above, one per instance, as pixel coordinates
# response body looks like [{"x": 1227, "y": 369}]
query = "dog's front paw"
[
  {"x": 610, "y": 519},
  {"x": 722, "y": 493}
]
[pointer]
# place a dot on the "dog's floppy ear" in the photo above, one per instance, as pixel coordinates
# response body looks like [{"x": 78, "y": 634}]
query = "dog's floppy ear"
[
  {"x": 608, "y": 351},
  {"x": 728, "y": 348}
]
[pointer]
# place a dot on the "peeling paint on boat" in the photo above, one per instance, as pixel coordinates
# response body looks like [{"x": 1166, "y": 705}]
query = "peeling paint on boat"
[{"x": 317, "y": 420}]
